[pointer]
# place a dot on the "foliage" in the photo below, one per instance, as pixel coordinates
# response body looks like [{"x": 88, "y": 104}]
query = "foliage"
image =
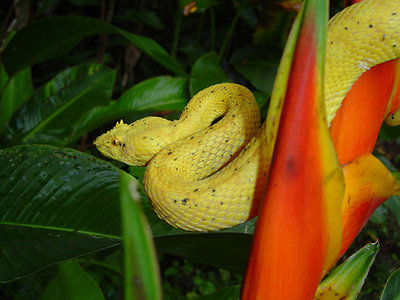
[{"x": 64, "y": 79}]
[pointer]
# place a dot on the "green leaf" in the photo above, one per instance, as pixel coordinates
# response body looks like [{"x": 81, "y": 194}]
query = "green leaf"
[
  {"x": 142, "y": 278},
  {"x": 346, "y": 280},
  {"x": 205, "y": 72},
  {"x": 155, "y": 94},
  {"x": 393, "y": 204},
  {"x": 55, "y": 204},
  {"x": 391, "y": 290},
  {"x": 258, "y": 65},
  {"x": 58, "y": 203},
  {"x": 30, "y": 45},
  {"x": 50, "y": 115},
  {"x": 229, "y": 293},
  {"x": 72, "y": 282},
  {"x": 15, "y": 92}
]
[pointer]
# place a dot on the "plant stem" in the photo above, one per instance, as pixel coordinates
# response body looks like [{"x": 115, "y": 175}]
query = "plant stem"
[
  {"x": 230, "y": 31},
  {"x": 212, "y": 24},
  {"x": 177, "y": 30}
]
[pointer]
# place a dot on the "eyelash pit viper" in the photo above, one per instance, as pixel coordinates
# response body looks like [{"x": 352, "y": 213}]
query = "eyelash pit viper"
[{"x": 206, "y": 171}]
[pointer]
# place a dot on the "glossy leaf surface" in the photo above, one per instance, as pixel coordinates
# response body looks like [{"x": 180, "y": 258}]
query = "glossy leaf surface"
[
  {"x": 51, "y": 113},
  {"x": 162, "y": 93},
  {"x": 59, "y": 203},
  {"x": 15, "y": 92},
  {"x": 54, "y": 204}
]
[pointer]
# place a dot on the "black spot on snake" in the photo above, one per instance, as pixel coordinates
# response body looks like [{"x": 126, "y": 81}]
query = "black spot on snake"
[
  {"x": 184, "y": 201},
  {"x": 195, "y": 190},
  {"x": 370, "y": 26}
]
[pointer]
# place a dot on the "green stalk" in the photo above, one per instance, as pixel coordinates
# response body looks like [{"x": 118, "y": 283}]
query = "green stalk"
[
  {"x": 177, "y": 30},
  {"x": 212, "y": 24},
  {"x": 229, "y": 33},
  {"x": 142, "y": 275}
]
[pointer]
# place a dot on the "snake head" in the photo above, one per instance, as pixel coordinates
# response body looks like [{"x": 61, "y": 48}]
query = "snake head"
[
  {"x": 134, "y": 144},
  {"x": 113, "y": 142}
]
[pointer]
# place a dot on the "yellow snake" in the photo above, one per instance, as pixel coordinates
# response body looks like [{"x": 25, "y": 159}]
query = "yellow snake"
[{"x": 206, "y": 171}]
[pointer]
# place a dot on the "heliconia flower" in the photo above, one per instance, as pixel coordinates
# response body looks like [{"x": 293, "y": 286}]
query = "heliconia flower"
[
  {"x": 374, "y": 96},
  {"x": 299, "y": 227},
  {"x": 323, "y": 184}
]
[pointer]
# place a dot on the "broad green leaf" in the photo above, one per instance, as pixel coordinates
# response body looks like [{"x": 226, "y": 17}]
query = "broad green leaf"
[
  {"x": 55, "y": 204},
  {"x": 205, "y": 72},
  {"x": 72, "y": 282},
  {"x": 229, "y": 293},
  {"x": 346, "y": 280},
  {"x": 156, "y": 94},
  {"x": 258, "y": 65},
  {"x": 53, "y": 37},
  {"x": 142, "y": 278},
  {"x": 59, "y": 203},
  {"x": 51, "y": 113},
  {"x": 14, "y": 92},
  {"x": 391, "y": 290}
]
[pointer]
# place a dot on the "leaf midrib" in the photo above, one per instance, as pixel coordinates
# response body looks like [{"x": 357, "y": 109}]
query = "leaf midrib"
[
  {"x": 70, "y": 230},
  {"x": 63, "y": 107}
]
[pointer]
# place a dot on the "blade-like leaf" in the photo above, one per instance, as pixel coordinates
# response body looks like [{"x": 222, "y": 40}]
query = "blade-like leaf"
[
  {"x": 392, "y": 287},
  {"x": 346, "y": 280},
  {"x": 142, "y": 278},
  {"x": 206, "y": 71},
  {"x": 14, "y": 92},
  {"x": 53, "y": 37},
  {"x": 51, "y": 113},
  {"x": 72, "y": 282}
]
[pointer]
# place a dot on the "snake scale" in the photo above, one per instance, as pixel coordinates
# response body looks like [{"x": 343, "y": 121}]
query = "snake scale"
[{"x": 205, "y": 175}]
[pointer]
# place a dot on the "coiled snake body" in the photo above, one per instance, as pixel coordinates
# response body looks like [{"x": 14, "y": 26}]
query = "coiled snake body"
[{"x": 207, "y": 175}]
